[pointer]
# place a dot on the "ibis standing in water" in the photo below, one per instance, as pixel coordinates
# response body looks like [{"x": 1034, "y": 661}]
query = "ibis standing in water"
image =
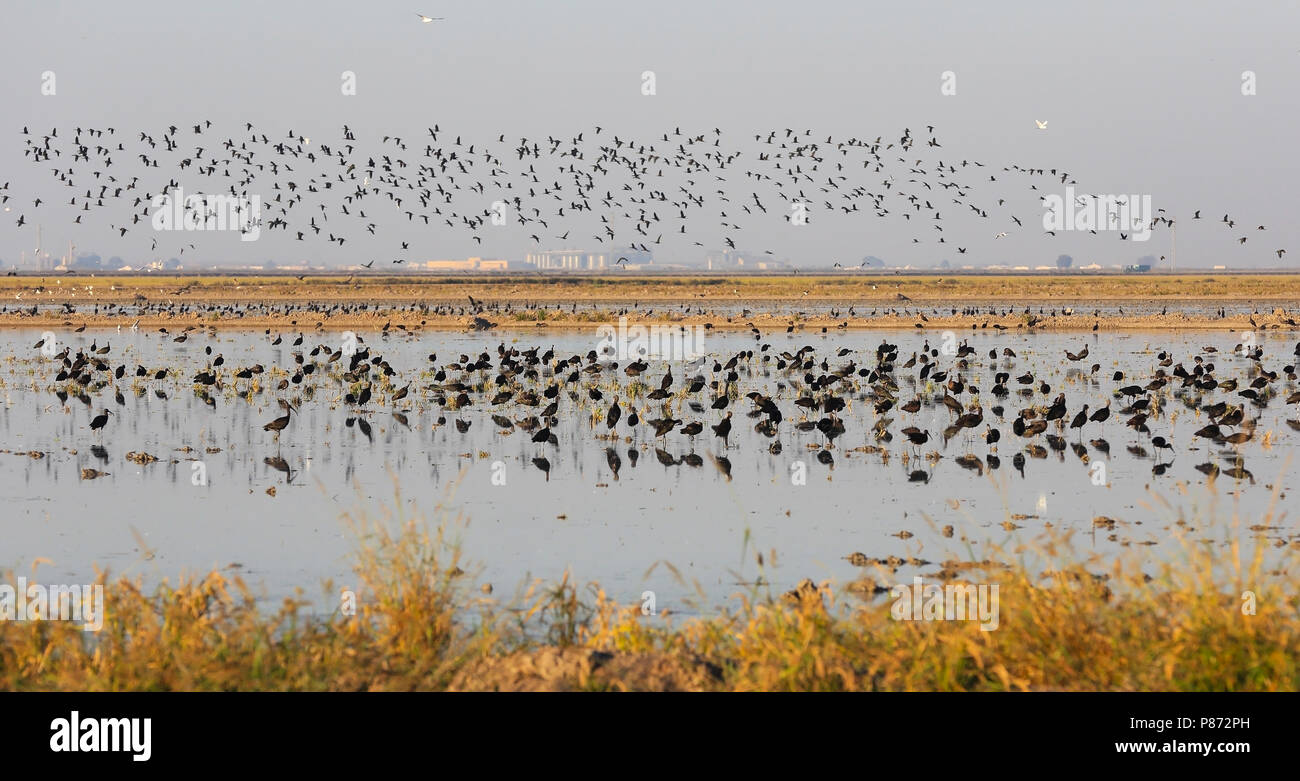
[
  {"x": 1080, "y": 420},
  {"x": 279, "y": 423},
  {"x": 100, "y": 420},
  {"x": 723, "y": 429}
]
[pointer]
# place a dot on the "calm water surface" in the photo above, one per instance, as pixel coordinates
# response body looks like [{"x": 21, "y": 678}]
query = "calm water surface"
[{"x": 160, "y": 520}]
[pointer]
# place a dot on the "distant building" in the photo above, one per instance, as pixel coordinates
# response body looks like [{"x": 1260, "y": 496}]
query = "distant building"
[
  {"x": 468, "y": 264},
  {"x": 734, "y": 260},
  {"x": 582, "y": 260},
  {"x": 88, "y": 262},
  {"x": 554, "y": 260},
  {"x": 742, "y": 260}
]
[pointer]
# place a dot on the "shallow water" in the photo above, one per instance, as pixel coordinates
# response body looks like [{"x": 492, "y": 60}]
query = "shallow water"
[{"x": 158, "y": 520}]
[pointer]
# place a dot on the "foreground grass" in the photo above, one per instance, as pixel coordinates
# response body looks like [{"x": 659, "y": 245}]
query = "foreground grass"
[{"x": 421, "y": 623}]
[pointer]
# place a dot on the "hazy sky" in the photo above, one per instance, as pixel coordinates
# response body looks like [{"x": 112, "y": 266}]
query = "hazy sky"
[{"x": 1140, "y": 97}]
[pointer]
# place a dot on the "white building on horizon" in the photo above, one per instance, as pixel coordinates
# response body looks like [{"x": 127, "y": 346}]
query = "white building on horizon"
[{"x": 582, "y": 260}]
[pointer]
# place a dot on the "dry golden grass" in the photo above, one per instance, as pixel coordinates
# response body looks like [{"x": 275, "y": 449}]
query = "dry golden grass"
[
  {"x": 422, "y": 624},
  {"x": 710, "y": 287}
]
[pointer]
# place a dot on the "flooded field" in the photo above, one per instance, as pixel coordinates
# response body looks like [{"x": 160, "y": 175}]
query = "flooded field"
[{"x": 840, "y": 443}]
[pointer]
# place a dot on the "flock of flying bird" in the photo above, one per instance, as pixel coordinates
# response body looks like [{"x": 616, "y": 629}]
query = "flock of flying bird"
[{"x": 628, "y": 192}]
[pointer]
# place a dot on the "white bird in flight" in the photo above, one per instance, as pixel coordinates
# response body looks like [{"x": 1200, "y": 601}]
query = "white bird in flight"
[
  {"x": 1041, "y": 125},
  {"x": 427, "y": 19}
]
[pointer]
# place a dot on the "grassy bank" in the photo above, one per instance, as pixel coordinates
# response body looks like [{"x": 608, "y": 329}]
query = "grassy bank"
[
  {"x": 423, "y": 623},
  {"x": 84, "y": 290}
]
